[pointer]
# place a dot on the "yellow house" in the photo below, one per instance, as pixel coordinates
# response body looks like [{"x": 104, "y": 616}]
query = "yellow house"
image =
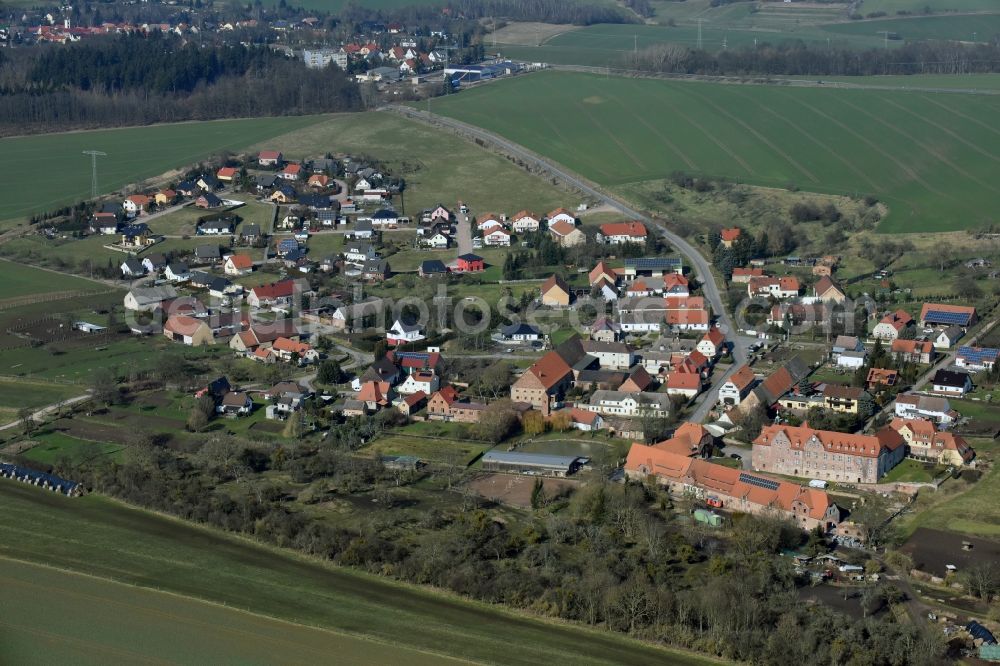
[
  {"x": 555, "y": 292},
  {"x": 188, "y": 330},
  {"x": 927, "y": 443},
  {"x": 843, "y": 399}
]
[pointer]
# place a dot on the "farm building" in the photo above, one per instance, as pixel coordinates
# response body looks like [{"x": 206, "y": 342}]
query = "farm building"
[{"x": 531, "y": 463}]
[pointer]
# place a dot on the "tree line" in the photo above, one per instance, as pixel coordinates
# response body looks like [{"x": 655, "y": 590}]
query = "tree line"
[
  {"x": 800, "y": 59},
  {"x": 610, "y": 555},
  {"x": 134, "y": 80},
  {"x": 545, "y": 11}
]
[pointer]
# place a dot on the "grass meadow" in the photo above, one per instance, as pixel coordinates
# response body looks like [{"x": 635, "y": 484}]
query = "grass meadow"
[
  {"x": 930, "y": 157},
  {"x": 93, "y": 535},
  {"x": 17, "y": 280},
  {"x": 438, "y": 166},
  {"x": 52, "y": 171}
]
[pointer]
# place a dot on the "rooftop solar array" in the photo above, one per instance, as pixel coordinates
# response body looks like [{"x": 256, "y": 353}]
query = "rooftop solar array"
[
  {"x": 649, "y": 263},
  {"x": 939, "y": 317},
  {"x": 978, "y": 354},
  {"x": 758, "y": 481}
]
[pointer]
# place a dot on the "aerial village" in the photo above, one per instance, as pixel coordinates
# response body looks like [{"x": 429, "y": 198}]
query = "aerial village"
[{"x": 618, "y": 366}]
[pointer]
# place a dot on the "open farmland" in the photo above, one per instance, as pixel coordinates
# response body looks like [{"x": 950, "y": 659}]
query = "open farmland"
[
  {"x": 134, "y": 153},
  {"x": 19, "y": 280},
  {"x": 917, "y": 6},
  {"x": 930, "y": 157},
  {"x": 70, "y": 618},
  {"x": 438, "y": 166},
  {"x": 961, "y": 27},
  {"x": 95, "y": 536}
]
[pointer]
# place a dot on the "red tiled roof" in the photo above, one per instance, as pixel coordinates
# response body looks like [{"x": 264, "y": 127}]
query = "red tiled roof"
[
  {"x": 945, "y": 307},
  {"x": 912, "y": 346},
  {"x": 730, "y": 234},
  {"x": 585, "y": 416},
  {"x": 269, "y": 155},
  {"x": 562, "y": 227},
  {"x": 241, "y": 261},
  {"x": 631, "y": 229},
  {"x": 868, "y": 446},
  {"x": 554, "y": 281},
  {"x": 183, "y": 325},
  {"x": 742, "y": 378},
  {"x": 550, "y": 369},
  {"x": 226, "y": 172}
]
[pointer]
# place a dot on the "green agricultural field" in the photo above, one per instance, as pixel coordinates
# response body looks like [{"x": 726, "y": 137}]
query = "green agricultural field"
[
  {"x": 17, "y": 280},
  {"x": 930, "y": 157},
  {"x": 965, "y": 28},
  {"x": 439, "y": 167},
  {"x": 956, "y": 82},
  {"x": 133, "y": 154},
  {"x": 65, "y": 617},
  {"x": 975, "y": 511},
  {"x": 918, "y": 6},
  {"x": 95, "y": 536}
]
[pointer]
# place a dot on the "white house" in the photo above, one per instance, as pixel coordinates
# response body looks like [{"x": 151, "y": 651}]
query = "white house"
[
  {"x": 401, "y": 334},
  {"x": 427, "y": 382},
  {"x": 640, "y": 322},
  {"x": 385, "y": 217},
  {"x": 525, "y": 221},
  {"x": 932, "y": 408},
  {"x": 737, "y": 387},
  {"x": 520, "y": 332},
  {"x": 177, "y": 271},
  {"x": 132, "y": 267},
  {"x": 361, "y": 185},
  {"x": 948, "y": 337},
  {"x": 610, "y": 355},
  {"x": 561, "y": 214},
  {"x": 952, "y": 383},
  {"x": 359, "y": 253},
  {"x": 617, "y": 233},
  {"x": 619, "y": 403},
  {"x": 489, "y": 222},
  {"x": 852, "y": 359},
  {"x": 147, "y": 299},
  {"x": 497, "y": 237},
  {"x": 438, "y": 241},
  {"x": 711, "y": 343}
]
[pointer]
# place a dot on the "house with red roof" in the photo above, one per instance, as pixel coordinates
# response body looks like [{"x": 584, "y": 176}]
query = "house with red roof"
[
  {"x": 732, "y": 489},
  {"x": 617, "y": 233},
  {"x": 276, "y": 294},
  {"x": 729, "y": 236},
  {"x": 685, "y": 384},
  {"x": 736, "y": 388},
  {"x": 892, "y": 324},
  {"x": 238, "y": 264},
  {"x": 827, "y": 454},
  {"x": 585, "y": 420},
  {"x": 945, "y": 314},
  {"x": 566, "y": 233},
  {"x": 926, "y": 442},
  {"x": 190, "y": 331},
  {"x": 543, "y": 383},
  {"x": 524, "y": 221},
  {"x": 291, "y": 172},
  {"x": 497, "y": 237},
  {"x": 227, "y": 174},
  {"x": 913, "y": 351},
  {"x": 743, "y": 275},
  {"x": 711, "y": 344},
  {"x": 269, "y": 158},
  {"x": 787, "y": 286}
]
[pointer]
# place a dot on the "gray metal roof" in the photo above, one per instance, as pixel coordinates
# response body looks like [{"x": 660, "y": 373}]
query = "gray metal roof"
[{"x": 532, "y": 459}]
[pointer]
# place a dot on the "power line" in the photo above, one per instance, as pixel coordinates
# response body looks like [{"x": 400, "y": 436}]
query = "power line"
[{"x": 93, "y": 170}]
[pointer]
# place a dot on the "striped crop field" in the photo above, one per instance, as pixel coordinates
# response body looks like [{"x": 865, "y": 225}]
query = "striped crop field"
[{"x": 929, "y": 156}]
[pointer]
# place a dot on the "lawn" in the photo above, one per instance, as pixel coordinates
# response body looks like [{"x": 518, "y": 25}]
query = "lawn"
[
  {"x": 18, "y": 280},
  {"x": 934, "y": 173},
  {"x": 53, "y": 446},
  {"x": 450, "y": 451},
  {"x": 934, "y": 81},
  {"x": 917, "y": 6},
  {"x": 65, "y": 617},
  {"x": 16, "y": 394},
  {"x": 133, "y": 154},
  {"x": 975, "y": 511},
  {"x": 96, "y": 536},
  {"x": 438, "y": 166},
  {"x": 912, "y": 470}
]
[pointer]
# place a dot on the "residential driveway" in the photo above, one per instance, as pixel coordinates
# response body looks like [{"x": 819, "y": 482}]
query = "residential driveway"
[{"x": 464, "y": 234}]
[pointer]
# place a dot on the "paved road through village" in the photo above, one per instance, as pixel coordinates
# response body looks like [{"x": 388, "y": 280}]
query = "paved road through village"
[{"x": 701, "y": 269}]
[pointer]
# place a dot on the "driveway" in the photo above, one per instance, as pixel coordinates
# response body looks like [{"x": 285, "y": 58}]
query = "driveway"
[{"x": 463, "y": 233}]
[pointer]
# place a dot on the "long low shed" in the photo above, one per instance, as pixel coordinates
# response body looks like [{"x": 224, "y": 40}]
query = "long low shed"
[{"x": 532, "y": 463}]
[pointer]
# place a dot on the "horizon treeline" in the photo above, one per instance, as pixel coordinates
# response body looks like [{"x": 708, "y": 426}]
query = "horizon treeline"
[{"x": 135, "y": 80}]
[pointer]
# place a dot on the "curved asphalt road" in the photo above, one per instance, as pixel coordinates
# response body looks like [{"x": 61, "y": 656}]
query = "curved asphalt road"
[{"x": 700, "y": 266}]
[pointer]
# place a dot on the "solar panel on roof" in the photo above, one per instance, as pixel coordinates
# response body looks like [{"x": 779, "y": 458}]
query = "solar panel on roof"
[
  {"x": 760, "y": 482},
  {"x": 646, "y": 263},
  {"x": 978, "y": 354},
  {"x": 947, "y": 317}
]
